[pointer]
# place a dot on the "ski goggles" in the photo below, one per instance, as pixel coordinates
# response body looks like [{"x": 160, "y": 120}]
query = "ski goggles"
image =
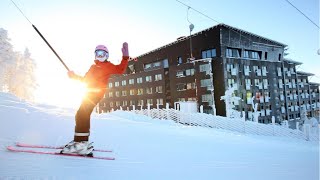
[{"x": 100, "y": 53}]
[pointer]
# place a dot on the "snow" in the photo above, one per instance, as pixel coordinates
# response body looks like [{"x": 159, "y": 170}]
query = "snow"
[{"x": 146, "y": 148}]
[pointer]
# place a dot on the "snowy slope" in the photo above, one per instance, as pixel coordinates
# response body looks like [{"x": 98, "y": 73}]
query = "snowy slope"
[{"x": 145, "y": 148}]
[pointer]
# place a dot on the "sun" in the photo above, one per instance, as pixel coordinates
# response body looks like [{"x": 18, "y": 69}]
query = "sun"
[{"x": 67, "y": 93}]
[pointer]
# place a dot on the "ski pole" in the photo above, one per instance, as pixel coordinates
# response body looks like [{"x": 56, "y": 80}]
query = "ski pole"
[{"x": 43, "y": 38}]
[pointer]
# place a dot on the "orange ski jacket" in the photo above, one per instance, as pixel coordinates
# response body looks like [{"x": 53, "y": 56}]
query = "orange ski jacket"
[{"x": 98, "y": 75}]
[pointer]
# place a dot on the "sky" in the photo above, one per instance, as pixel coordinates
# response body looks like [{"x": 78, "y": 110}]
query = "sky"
[
  {"x": 75, "y": 27},
  {"x": 146, "y": 148}
]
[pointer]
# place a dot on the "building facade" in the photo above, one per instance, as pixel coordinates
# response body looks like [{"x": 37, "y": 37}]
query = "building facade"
[{"x": 223, "y": 57}]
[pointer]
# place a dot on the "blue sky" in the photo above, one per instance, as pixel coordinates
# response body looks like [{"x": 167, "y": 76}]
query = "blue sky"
[{"x": 75, "y": 27}]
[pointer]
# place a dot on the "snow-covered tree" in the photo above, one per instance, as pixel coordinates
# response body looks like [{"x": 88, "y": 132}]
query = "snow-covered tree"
[
  {"x": 6, "y": 58},
  {"x": 230, "y": 99},
  {"x": 17, "y": 71},
  {"x": 255, "y": 110}
]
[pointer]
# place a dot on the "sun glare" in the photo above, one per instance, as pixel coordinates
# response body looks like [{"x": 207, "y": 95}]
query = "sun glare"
[{"x": 69, "y": 93}]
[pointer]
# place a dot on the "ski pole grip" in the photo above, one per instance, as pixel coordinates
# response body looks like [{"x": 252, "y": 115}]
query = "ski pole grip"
[{"x": 35, "y": 28}]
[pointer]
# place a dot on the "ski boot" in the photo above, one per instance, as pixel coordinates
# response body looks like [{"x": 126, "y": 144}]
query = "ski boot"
[{"x": 83, "y": 148}]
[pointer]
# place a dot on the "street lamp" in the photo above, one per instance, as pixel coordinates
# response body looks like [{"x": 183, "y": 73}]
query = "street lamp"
[{"x": 191, "y": 27}]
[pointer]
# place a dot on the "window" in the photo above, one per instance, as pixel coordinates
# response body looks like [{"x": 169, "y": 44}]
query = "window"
[
  {"x": 149, "y": 90},
  {"x": 156, "y": 64},
  {"x": 191, "y": 85},
  {"x": 233, "y": 52},
  {"x": 279, "y": 57},
  {"x": 264, "y": 71},
  {"x": 160, "y": 101},
  {"x": 150, "y": 101},
  {"x": 131, "y": 81},
  {"x": 189, "y": 72},
  {"x": 124, "y": 103},
  {"x": 205, "y": 82},
  {"x": 206, "y": 98},
  {"x": 110, "y": 94},
  {"x": 132, "y": 103},
  {"x": 117, "y": 103},
  {"x": 110, "y": 85},
  {"x": 266, "y": 55},
  {"x": 205, "y": 68},
  {"x": 132, "y": 69},
  {"x": 124, "y": 82},
  {"x": 159, "y": 89},
  {"x": 140, "y": 102},
  {"x": 158, "y": 77},
  {"x": 251, "y": 54},
  {"x": 165, "y": 63},
  {"x": 256, "y": 82},
  {"x": 124, "y": 93},
  {"x": 117, "y": 94},
  {"x": 255, "y": 55},
  {"x": 181, "y": 99},
  {"x": 247, "y": 70},
  {"x": 265, "y": 83},
  {"x": 231, "y": 82},
  {"x": 180, "y": 74},
  {"x": 139, "y": 80},
  {"x": 111, "y": 104},
  {"x": 131, "y": 92},
  {"x": 246, "y": 54},
  {"x": 147, "y": 66},
  {"x": 179, "y": 60},
  {"x": 181, "y": 86},
  {"x": 148, "y": 78},
  {"x": 209, "y": 53},
  {"x": 116, "y": 84},
  {"x": 248, "y": 84},
  {"x": 140, "y": 91}
]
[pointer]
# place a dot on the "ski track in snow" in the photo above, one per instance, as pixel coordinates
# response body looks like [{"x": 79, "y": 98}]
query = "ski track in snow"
[{"x": 146, "y": 148}]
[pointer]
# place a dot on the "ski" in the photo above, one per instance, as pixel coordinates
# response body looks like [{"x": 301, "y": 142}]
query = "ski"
[
  {"x": 13, "y": 149},
  {"x": 51, "y": 147}
]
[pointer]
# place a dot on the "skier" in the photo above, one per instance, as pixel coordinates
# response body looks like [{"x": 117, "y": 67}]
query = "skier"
[{"x": 96, "y": 79}]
